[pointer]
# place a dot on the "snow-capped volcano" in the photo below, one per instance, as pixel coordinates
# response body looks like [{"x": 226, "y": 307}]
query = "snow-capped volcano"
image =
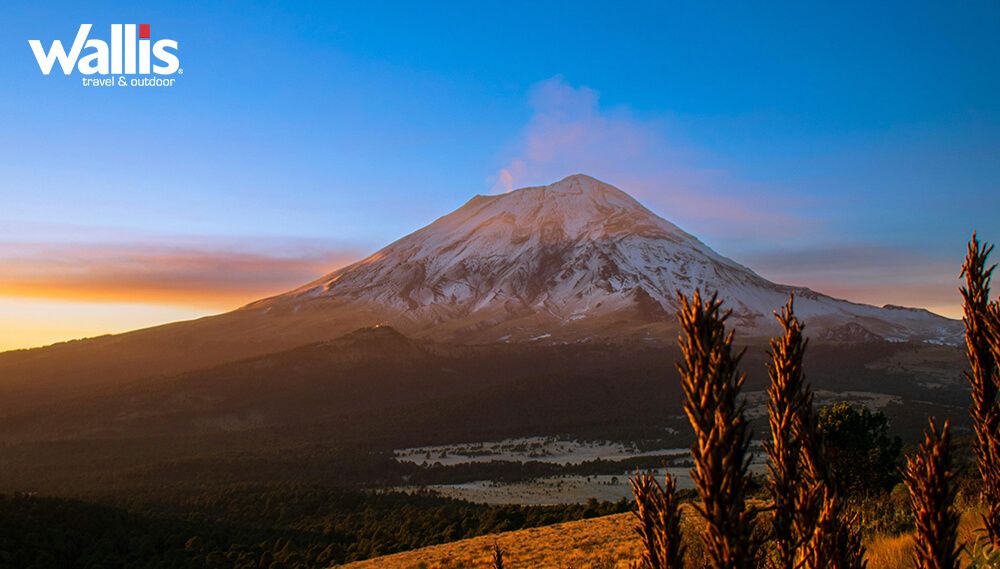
[{"x": 576, "y": 259}]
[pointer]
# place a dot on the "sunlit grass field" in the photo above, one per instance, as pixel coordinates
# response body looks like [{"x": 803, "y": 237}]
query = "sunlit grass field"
[
  {"x": 604, "y": 542},
  {"x": 609, "y": 543}
]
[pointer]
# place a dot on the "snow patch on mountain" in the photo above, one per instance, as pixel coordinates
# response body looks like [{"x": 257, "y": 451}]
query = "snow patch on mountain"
[{"x": 580, "y": 250}]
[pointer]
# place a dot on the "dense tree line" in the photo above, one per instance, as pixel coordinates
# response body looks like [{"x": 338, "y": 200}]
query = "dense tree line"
[
  {"x": 286, "y": 527},
  {"x": 506, "y": 471}
]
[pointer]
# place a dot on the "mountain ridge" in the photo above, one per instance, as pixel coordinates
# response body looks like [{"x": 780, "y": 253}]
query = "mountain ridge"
[
  {"x": 578, "y": 261},
  {"x": 576, "y": 249}
]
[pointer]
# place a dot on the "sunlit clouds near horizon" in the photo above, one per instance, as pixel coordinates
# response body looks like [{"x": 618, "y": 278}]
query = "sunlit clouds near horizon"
[
  {"x": 84, "y": 282},
  {"x": 51, "y": 292}
]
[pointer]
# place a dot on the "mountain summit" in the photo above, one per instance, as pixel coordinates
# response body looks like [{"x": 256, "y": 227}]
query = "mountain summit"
[{"x": 576, "y": 260}]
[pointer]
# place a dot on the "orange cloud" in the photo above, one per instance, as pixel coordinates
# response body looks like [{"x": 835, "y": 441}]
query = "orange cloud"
[
  {"x": 139, "y": 273},
  {"x": 940, "y": 298},
  {"x": 30, "y": 322},
  {"x": 871, "y": 274}
]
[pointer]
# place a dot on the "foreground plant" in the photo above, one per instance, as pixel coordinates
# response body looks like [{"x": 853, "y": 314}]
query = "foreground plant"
[
  {"x": 811, "y": 527},
  {"x": 981, "y": 348},
  {"x": 830, "y": 532},
  {"x": 929, "y": 478},
  {"x": 497, "y": 557},
  {"x": 711, "y": 384},
  {"x": 788, "y": 399},
  {"x": 658, "y": 522}
]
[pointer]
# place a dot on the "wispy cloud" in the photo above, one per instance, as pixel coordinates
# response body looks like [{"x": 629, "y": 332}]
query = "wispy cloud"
[
  {"x": 186, "y": 274},
  {"x": 570, "y": 131}
]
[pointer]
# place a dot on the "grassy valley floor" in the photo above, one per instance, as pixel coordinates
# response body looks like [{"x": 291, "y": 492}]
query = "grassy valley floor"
[
  {"x": 604, "y": 542},
  {"x": 608, "y": 542}
]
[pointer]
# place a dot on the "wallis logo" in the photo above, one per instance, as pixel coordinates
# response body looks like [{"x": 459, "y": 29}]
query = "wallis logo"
[{"x": 129, "y": 54}]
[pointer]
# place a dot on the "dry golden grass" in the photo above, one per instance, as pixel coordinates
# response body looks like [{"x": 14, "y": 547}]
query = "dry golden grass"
[
  {"x": 610, "y": 543},
  {"x": 600, "y": 543},
  {"x": 890, "y": 552}
]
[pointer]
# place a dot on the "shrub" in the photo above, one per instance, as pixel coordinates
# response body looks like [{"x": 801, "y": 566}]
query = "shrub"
[{"x": 861, "y": 455}]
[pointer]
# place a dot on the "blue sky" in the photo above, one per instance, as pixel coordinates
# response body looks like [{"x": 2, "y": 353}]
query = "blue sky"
[{"x": 843, "y": 146}]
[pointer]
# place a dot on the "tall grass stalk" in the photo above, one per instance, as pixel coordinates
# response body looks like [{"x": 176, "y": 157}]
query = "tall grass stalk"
[
  {"x": 929, "y": 477},
  {"x": 496, "y": 557},
  {"x": 981, "y": 329},
  {"x": 788, "y": 399},
  {"x": 812, "y": 527},
  {"x": 828, "y": 532},
  {"x": 658, "y": 522},
  {"x": 711, "y": 383}
]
